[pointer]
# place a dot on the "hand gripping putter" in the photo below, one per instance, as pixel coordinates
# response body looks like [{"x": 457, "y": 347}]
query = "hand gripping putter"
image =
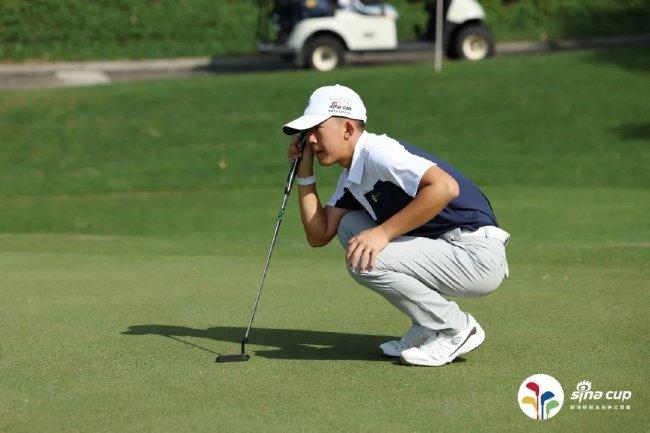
[{"x": 243, "y": 356}]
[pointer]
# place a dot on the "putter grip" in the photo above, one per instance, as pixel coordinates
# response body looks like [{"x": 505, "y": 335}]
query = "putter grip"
[{"x": 291, "y": 177}]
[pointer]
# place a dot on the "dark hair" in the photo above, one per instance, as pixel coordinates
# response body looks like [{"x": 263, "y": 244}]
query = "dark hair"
[{"x": 359, "y": 123}]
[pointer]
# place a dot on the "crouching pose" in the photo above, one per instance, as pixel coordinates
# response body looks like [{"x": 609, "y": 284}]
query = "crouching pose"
[{"x": 415, "y": 229}]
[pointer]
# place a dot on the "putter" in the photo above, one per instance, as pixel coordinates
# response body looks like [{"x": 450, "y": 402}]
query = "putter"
[{"x": 243, "y": 356}]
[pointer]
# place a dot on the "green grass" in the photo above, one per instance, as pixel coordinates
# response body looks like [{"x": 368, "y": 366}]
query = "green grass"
[{"x": 129, "y": 256}]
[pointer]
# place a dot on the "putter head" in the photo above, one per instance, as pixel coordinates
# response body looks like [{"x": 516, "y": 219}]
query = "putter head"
[{"x": 233, "y": 358}]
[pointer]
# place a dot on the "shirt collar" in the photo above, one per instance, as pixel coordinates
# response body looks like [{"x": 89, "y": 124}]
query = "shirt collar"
[{"x": 356, "y": 166}]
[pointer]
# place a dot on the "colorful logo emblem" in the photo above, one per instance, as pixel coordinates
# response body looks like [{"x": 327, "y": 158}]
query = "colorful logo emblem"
[{"x": 540, "y": 396}]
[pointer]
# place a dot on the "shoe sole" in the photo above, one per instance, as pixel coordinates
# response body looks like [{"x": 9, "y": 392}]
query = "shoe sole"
[{"x": 473, "y": 342}]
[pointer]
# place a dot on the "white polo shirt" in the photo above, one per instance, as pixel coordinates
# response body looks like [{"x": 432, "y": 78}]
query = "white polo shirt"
[{"x": 380, "y": 168}]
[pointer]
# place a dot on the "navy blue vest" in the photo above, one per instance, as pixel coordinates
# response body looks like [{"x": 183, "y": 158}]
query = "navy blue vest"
[{"x": 470, "y": 210}]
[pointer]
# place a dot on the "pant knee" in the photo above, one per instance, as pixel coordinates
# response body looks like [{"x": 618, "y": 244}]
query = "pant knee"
[
  {"x": 352, "y": 224},
  {"x": 367, "y": 278},
  {"x": 344, "y": 231}
]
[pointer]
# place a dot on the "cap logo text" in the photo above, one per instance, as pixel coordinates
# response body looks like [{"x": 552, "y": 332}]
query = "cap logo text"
[{"x": 338, "y": 106}]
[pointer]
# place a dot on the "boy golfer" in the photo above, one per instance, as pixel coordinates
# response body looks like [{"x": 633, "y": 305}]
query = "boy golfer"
[{"x": 416, "y": 230}]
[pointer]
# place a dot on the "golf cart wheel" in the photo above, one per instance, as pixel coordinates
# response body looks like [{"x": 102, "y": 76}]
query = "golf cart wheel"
[
  {"x": 324, "y": 53},
  {"x": 474, "y": 42}
]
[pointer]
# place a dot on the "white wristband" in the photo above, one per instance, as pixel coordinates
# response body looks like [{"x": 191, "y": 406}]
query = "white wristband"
[{"x": 306, "y": 180}]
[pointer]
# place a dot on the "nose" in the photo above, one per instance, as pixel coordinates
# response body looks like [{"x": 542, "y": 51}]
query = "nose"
[{"x": 311, "y": 138}]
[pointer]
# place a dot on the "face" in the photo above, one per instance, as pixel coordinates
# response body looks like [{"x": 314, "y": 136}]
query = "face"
[{"x": 327, "y": 141}]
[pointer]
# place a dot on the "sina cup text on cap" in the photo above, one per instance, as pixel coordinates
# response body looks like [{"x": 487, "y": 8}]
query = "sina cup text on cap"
[{"x": 340, "y": 107}]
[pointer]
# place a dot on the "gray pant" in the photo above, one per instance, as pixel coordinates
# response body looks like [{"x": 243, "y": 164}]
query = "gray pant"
[{"x": 413, "y": 273}]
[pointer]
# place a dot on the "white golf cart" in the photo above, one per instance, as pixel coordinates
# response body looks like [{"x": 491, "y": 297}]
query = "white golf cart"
[{"x": 318, "y": 33}]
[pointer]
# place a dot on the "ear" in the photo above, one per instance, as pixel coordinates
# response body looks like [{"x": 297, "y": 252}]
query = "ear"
[{"x": 349, "y": 128}]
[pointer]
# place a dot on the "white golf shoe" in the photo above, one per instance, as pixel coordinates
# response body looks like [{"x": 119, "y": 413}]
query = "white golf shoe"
[
  {"x": 416, "y": 335},
  {"x": 446, "y": 346}
]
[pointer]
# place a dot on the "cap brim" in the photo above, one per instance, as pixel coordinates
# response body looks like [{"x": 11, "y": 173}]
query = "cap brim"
[{"x": 303, "y": 123}]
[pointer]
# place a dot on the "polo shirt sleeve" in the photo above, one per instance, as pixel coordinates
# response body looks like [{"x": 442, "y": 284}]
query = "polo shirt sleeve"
[
  {"x": 391, "y": 162},
  {"x": 342, "y": 197}
]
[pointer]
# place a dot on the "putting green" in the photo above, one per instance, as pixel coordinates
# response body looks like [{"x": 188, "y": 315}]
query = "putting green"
[{"x": 136, "y": 219}]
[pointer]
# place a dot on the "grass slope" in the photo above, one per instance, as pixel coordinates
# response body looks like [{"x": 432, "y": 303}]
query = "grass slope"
[{"x": 135, "y": 221}]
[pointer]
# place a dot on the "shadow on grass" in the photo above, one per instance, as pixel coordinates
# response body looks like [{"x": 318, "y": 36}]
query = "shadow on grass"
[
  {"x": 258, "y": 63},
  {"x": 287, "y": 343},
  {"x": 634, "y": 131},
  {"x": 631, "y": 59}
]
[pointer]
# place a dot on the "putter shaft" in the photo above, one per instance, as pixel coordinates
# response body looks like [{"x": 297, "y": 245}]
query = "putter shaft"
[{"x": 287, "y": 190}]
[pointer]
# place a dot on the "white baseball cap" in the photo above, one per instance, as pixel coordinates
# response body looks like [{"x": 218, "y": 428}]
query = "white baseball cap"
[{"x": 326, "y": 102}]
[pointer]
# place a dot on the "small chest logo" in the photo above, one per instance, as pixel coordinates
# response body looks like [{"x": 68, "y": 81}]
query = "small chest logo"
[{"x": 375, "y": 197}]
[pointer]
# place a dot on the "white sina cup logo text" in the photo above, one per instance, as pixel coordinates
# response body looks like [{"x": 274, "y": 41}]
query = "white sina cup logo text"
[{"x": 583, "y": 392}]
